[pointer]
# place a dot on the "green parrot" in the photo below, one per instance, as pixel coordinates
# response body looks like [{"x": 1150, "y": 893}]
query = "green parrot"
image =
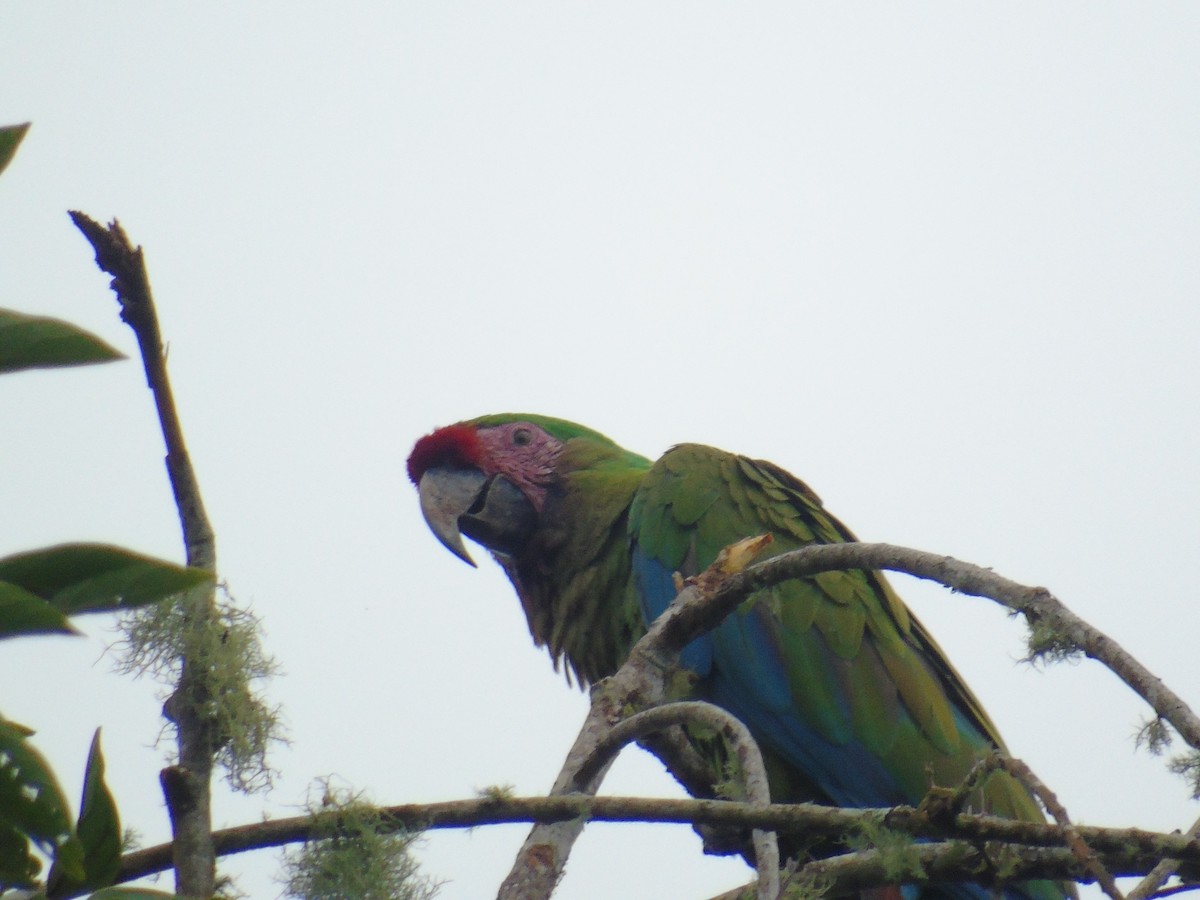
[{"x": 849, "y": 697}]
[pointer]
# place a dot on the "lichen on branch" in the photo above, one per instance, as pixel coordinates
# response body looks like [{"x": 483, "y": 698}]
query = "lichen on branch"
[{"x": 155, "y": 640}]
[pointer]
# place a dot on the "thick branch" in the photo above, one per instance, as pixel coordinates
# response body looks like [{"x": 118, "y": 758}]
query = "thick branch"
[
  {"x": 186, "y": 786},
  {"x": 1158, "y": 876},
  {"x": 1126, "y": 851},
  {"x": 847, "y": 875}
]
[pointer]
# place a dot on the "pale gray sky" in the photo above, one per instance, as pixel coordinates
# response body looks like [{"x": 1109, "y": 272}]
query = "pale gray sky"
[{"x": 939, "y": 260}]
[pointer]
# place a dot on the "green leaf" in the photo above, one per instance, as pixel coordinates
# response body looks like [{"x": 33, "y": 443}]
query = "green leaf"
[
  {"x": 98, "y": 829},
  {"x": 123, "y": 893},
  {"x": 18, "y": 727},
  {"x": 38, "y": 342},
  {"x": 18, "y": 867},
  {"x": 99, "y": 826},
  {"x": 24, "y": 613},
  {"x": 10, "y": 138},
  {"x": 32, "y": 803},
  {"x": 83, "y": 578}
]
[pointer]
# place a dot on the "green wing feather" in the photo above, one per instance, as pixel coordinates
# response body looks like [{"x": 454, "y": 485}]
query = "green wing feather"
[{"x": 861, "y": 672}]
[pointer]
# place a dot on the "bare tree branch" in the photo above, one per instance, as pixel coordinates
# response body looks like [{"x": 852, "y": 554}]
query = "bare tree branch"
[
  {"x": 1037, "y": 604},
  {"x": 188, "y": 785}
]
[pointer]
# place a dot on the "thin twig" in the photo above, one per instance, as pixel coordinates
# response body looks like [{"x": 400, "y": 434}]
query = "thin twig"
[
  {"x": 1176, "y": 889},
  {"x": 959, "y": 798},
  {"x": 186, "y": 786}
]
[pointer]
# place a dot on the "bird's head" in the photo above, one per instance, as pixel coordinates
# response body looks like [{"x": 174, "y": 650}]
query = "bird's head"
[
  {"x": 491, "y": 478},
  {"x": 487, "y": 480}
]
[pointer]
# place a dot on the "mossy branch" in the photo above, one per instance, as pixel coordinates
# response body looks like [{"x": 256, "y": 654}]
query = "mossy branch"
[{"x": 1124, "y": 851}]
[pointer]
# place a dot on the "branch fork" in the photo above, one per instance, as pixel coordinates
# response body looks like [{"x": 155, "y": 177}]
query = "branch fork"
[{"x": 640, "y": 683}]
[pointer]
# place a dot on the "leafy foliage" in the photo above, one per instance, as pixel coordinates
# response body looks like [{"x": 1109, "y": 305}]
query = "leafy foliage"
[
  {"x": 28, "y": 342},
  {"x": 71, "y": 579},
  {"x": 10, "y": 138},
  {"x": 39, "y": 590},
  {"x": 33, "y": 810},
  {"x": 40, "y": 342},
  {"x": 22, "y": 612},
  {"x": 98, "y": 830}
]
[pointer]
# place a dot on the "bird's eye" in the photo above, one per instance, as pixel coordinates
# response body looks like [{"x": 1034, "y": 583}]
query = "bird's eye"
[{"x": 522, "y": 436}]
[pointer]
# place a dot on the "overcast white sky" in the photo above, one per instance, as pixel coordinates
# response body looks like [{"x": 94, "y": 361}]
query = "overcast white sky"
[{"x": 938, "y": 259}]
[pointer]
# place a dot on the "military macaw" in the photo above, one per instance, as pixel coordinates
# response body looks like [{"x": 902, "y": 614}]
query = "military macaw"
[{"x": 851, "y": 700}]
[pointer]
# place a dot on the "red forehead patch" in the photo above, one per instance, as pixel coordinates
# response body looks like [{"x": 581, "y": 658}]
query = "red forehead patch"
[{"x": 454, "y": 445}]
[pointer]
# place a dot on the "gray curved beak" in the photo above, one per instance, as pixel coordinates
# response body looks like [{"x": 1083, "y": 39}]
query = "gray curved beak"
[
  {"x": 446, "y": 495},
  {"x": 493, "y": 511}
]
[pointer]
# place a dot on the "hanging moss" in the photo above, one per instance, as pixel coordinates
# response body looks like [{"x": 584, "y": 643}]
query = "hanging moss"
[
  {"x": 353, "y": 854},
  {"x": 1046, "y": 645},
  {"x": 228, "y": 664}
]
